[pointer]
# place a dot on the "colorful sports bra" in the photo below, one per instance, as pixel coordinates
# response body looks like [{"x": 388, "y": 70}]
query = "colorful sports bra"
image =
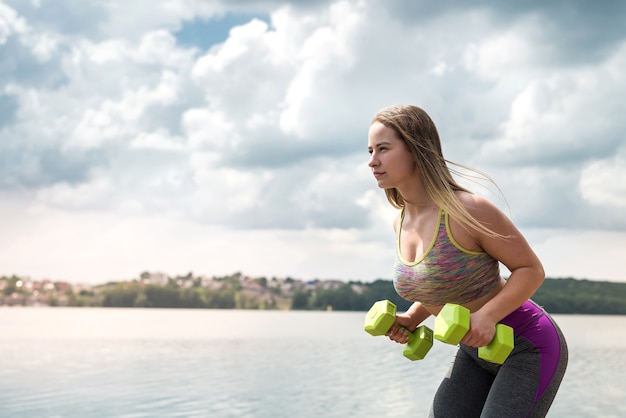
[{"x": 446, "y": 273}]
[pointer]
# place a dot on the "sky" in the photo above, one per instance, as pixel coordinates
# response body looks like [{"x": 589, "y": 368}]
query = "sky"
[{"x": 220, "y": 136}]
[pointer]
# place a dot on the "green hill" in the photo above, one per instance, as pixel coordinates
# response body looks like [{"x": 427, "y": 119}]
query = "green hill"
[
  {"x": 582, "y": 296},
  {"x": 238, "y": 291}
]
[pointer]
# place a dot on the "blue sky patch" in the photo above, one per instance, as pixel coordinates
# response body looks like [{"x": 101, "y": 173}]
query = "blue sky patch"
[{"x": 203, "y": 33}]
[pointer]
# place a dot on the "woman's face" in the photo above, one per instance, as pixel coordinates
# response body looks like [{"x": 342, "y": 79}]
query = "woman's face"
[{"x": 391, "y": 161}]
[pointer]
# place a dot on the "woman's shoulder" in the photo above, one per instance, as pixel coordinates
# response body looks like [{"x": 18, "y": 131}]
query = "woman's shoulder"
[
  {"x": 478, "y": 206},
  {"x": 483, "y": 210}
]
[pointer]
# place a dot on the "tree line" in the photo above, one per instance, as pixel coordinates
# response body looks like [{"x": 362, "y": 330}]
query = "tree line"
[
  {"x": 558, "y": 296},
  {"x": 236, "y": 291}
]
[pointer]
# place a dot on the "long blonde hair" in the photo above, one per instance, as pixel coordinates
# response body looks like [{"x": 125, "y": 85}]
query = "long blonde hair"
[{"x": 419, "y": 133}]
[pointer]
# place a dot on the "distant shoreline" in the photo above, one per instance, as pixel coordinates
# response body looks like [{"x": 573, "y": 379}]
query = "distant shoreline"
[{"x": 238, "y": 291}]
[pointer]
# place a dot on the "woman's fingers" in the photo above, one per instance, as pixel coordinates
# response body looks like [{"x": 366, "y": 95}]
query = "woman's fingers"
[{"x": 398, "y": 334}]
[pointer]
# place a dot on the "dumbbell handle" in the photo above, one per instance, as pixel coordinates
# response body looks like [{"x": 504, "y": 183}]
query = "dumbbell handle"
[{"x": 381, "y": 317}]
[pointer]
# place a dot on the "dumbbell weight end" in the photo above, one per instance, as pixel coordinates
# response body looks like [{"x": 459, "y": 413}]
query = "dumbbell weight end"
[
  {"x": 420, "y": 343},
  {"x": 380, "y": 318},
  {"x": 500, "y": 347}
]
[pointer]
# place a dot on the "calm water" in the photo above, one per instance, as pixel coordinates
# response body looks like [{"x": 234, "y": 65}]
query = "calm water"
[{"x": 64, "y": 362}]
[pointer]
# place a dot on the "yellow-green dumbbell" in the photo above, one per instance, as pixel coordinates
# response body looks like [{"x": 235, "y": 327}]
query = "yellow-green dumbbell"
[
  {"x": 381, "y": 317},
  {"x": 452, "y": 324}
]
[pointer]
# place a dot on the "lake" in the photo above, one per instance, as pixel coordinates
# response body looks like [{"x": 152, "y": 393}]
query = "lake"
[{"x": 94, "y": 362}]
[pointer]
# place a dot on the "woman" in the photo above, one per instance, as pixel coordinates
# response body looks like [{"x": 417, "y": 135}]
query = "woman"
[{"x": 449, "y": 246}]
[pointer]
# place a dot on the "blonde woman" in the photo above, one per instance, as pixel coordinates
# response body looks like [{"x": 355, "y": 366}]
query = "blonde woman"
[{"x": 449, "y": 246}]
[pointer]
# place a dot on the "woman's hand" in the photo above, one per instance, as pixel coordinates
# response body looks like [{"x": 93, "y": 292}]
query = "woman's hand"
[
  {"x": 399, "y": 331},
  {"x": 481, "y": 332}
]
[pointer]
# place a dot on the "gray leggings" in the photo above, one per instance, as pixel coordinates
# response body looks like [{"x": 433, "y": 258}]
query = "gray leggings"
[{"x": 524, "y": 386}]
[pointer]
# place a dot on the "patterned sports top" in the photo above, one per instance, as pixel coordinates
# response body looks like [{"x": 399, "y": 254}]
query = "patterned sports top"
[{"x": 446, "y": 273}]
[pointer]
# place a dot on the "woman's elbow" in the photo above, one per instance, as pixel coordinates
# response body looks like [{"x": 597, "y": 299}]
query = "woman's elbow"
[{"x": 540, "y": 274}]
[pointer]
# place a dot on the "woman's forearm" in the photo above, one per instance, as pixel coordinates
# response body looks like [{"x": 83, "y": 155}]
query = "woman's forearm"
[
  {"x": 418, "y": 313},
  {"x": 519, "y": 287}
]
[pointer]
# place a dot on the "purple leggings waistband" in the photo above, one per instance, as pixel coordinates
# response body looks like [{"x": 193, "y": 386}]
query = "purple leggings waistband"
[{"x": 525, "y": 314}]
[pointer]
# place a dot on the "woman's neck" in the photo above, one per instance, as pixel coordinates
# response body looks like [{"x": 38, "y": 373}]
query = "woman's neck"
[{"x": 417, "y": 199}]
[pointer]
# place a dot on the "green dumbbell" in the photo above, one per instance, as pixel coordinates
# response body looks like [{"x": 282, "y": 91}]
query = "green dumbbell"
[
  {"x": 381, "y": 317},
  {"x": 452, "y": 324}
]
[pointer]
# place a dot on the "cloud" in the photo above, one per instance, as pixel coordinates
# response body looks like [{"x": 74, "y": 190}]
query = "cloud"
[
  {"x": 602, "y": 182},
  {"x": 121, "y": 125},
  {"x": 557, "y": 116},
  {"x": 11, "y": 23},
  {"x": 28, "y": 54},
  {"x": 547, "y": 25},
  {"x": 572, "y": 252}
]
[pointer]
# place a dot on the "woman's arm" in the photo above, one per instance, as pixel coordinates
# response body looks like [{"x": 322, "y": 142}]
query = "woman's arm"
[{"x": 515, "y": 253}]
